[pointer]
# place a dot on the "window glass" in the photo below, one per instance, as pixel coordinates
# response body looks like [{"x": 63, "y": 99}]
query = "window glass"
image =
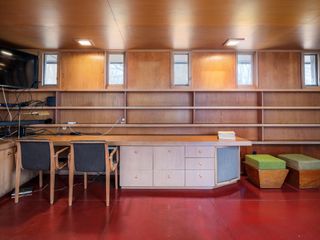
[
  {"x": 244, "y": 69},
  {"x": 50, "y": 74},
  {"x": 116, "y": 69},
  {"x": 181, "y": 69},
  {"x": 310, "y": 70}
]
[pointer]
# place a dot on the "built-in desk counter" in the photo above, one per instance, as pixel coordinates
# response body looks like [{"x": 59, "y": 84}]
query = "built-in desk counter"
[{"x": 170, "y": 161}]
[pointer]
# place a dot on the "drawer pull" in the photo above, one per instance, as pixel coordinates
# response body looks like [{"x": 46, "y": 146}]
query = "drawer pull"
[
  {"x": 135, "y": 152},
  {"x": 135, "y": 177},
  {"x": 200, "y": 176},
  {"x": 200, "y": 163},
  {"x": 169, "y": 151},
  {"x": 199, "y": 151},
  {"x": 169, "y": 176}
]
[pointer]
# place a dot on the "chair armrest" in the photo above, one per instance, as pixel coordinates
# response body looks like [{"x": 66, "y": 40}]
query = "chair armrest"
[
  {"x": 56, "y": 156},
  {"x": 113, "y": 165}
]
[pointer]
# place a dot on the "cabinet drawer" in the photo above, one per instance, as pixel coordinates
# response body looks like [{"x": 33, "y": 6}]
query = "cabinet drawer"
[
  {"x": 200, "y": 178},
  {"x": 171, "y": 178},
  {"x": 136, "y": 158},
  {"x": 136, "y": 178},
  {"x": 200, "y": 151},
  {"x": 199, "y": 163},
  {"x": 168, "y": 158}
]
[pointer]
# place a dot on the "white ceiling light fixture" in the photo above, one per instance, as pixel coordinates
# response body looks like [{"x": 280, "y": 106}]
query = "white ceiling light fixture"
[
  {"x": 85, "y": 42},
  {"x": 4, "y": 52},
  {"x": 232, "y": 42}
]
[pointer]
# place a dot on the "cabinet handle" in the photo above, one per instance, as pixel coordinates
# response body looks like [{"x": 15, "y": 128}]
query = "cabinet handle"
[
  {"x": 200, "y": 163},
  {"x": 199, "y": 151},
  {"x": 200, "y": 176},
  {"x": 10, "y": 153},
  {"x": 168, "y": 176},
  {"x": 135, "y": 177},
  {"x": 169, "y": 151},
  {"x": 135, "y": 152}
]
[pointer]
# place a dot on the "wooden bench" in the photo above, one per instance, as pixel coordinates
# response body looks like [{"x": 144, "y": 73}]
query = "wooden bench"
[
  {"x": 304, "y": 171},
  {"x": 266, "y": 171}
]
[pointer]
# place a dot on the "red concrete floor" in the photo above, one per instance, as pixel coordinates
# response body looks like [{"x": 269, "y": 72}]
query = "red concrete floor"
[{"x": 239, "y": 211}]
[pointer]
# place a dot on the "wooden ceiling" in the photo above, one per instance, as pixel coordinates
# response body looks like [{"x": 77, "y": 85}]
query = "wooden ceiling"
[{"x": 161, "y": 24}]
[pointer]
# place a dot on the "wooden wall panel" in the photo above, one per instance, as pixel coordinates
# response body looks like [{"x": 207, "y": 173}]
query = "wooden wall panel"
[
  {"x": 291, "y": 99},
  {"x": 25, "y": 96},
  {"x": 159, "y": 99},
  {"x": 226, "y": 99},
  {"x": 91, "y": 116},
  {"x": 226, "y": 116},
  {"x": 92, "y": 99},
  {"x": 148, "y": 70},
  {"x": 292, "y": 116},
  {"x": 82, "y": 70},
  {"x": 279, "y": 70},
  {"x": 213, "y": 70},
  {"x": 292, "y": 134},
  {"x": 159, "y": 116}
]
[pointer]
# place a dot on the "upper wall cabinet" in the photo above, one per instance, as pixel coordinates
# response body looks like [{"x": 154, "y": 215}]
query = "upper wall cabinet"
[
  {"x": 148, "y": 70},
  {"x": 84, "y": 70},
  {"x": 279, "y": 70},
  {"x": 213, "y": 70}
]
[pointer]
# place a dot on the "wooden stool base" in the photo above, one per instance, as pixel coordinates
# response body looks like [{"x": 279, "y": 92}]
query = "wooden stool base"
[
  {"x": 304, "y": 179},
  {"x": 266, "y": 178}
]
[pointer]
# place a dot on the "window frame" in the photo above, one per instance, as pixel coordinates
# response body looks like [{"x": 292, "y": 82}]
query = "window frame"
[
  {"x": 172, "y": 69},
  {"x": 253, "y": 70},
  {"x": 43, "y": 68},
  {"x": 304, "y": 85},
  {"x": 108, "y": 70}
]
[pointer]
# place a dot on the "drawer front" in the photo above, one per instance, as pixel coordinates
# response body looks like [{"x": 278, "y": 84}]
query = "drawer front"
[
  {"x": 166, "y": 158},
  {"x": 200, "y": 151},
  {"x": 168, "y": 178},
  {"x": 136, "y": 178},
  {"x": 200, "y": 163},
  {"x": 136, "y": 158},
  {"x": 200, "y": 178}
]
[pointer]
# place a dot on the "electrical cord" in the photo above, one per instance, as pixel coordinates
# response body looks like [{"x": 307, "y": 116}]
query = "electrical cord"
[{"x": 6, "y": 103}]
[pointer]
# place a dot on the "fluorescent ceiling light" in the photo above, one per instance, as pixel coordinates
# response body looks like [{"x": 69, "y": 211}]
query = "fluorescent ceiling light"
[
  {"x": 231, "y": 42},
  {"x": 85, "y": 42},
  {"x": 6, "y": 53}
]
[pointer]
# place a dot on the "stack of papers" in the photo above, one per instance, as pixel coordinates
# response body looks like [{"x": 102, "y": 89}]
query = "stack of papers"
[{"x": 227, "y": 135}]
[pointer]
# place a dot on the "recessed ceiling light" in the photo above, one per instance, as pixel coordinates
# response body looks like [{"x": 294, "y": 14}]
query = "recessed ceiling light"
[
  {"x": 231, "y": 42},
  {"x": 84, "y": 42},
  {"x": 6, "y": 53}
]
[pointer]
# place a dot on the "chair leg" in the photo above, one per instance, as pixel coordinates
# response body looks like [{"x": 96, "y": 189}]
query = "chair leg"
[
  {"x": 52, "y": 183},
  {"x": 107, "y": 186},
  {"x": 17, "y": 188},
  {"x": 116, "y": 177},
  {"x": 71, "y": 175},
  {"x": 85, "y": 181},
  {"x": 40, "y": 179}
]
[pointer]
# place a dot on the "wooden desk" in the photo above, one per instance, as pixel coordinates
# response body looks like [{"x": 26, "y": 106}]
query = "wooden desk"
[
  {"x": 127, "y": 140},
  {"x": 164, "y": 161}
]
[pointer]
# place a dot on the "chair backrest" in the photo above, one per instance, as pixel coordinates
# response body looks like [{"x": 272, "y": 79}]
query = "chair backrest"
[
  {"x": 35, "y": 155},
  {"x": 89, "y": 156}
]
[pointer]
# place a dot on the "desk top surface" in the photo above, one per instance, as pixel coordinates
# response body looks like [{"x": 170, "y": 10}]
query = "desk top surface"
[{"x": 146, "y": 139}]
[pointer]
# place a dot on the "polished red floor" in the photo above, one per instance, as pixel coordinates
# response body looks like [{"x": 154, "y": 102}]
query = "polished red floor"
[{"x": 239, "y": 211}]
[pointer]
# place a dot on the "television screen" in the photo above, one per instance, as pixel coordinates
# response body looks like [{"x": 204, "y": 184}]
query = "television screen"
[{"x": 18, "y": 69}]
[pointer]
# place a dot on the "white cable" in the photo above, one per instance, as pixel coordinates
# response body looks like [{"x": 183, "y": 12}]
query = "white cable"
[
  {"x": 109, "y": 130},
  {"x": 5, "y": 101}
]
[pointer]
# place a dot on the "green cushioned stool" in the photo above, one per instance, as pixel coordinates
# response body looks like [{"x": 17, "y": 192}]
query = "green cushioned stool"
[
  {"x": 304, "y": 171},
  {"x": 266, "y": 171}
]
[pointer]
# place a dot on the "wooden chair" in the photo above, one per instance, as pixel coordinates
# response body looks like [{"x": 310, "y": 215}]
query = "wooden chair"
[
  {"x": 37, "y": 155},
  {"x": 92, "y": 156}
]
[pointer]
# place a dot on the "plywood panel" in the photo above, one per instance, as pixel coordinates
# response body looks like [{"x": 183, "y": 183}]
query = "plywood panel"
[
  {"x": 292, "y": 134},
  {"x": 226, "y": 99},
  {"x": 26, "y": 96},
  {"x": 213, "y": 70},
  {"x": 159, "y": 116},
  {"x": 91, "y": 116},
  {"x": 226, "y": 116},
  {"x": 84, "y": 70},
  {"x": 159, "y": 99},
  {"x": 148, "y": 70},
  {"x": 292, "y": 116},
  {"x": 38, "y": 114},
  {"x": 92, "y": 99},
  {"x": 279, "y": 70},
  {"x": 291, "y": 99}
]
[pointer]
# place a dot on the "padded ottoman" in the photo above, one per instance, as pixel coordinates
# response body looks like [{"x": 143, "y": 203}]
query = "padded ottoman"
[
  {"x": 304, "y": 171},
  {"x": 266, "y": 171}
]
